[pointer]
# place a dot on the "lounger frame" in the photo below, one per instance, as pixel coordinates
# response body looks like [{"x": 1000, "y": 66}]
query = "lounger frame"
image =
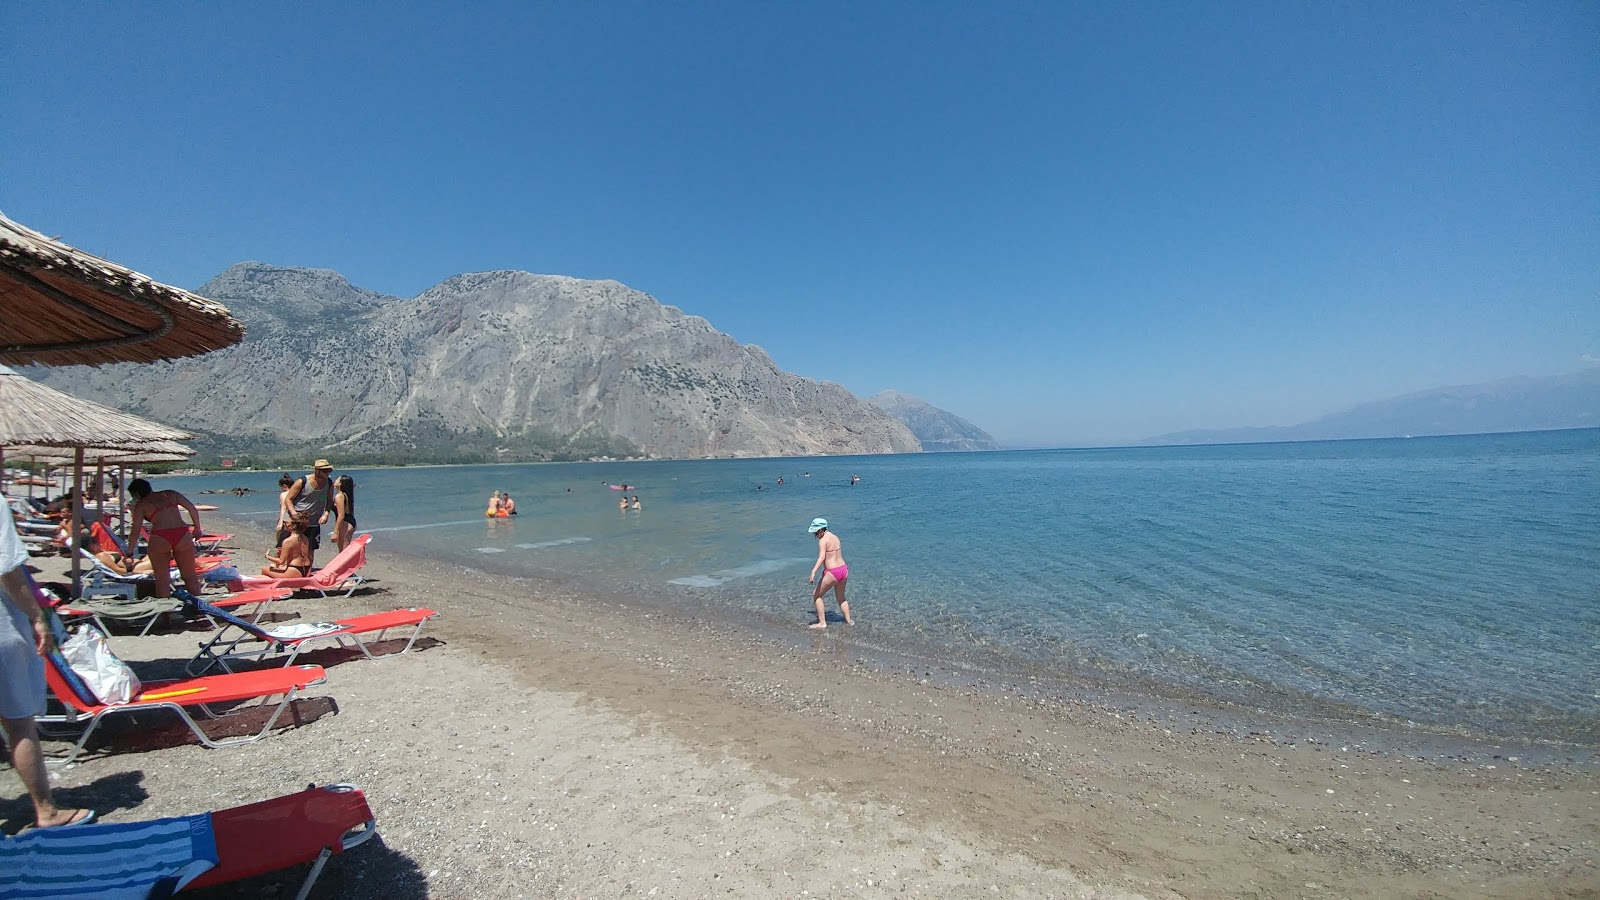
[
  {"x": 75, "y": 712},
  {"x": 254, "y": 642}
]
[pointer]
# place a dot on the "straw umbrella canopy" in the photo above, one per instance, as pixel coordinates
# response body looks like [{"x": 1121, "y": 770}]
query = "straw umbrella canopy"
[
  {"x": 127, "y": 455},
  {"x": 63, "y": 306},
  {"x": 33, "y": 414}
]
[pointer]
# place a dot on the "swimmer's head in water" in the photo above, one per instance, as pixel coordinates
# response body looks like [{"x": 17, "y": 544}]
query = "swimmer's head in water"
[{"x": 817, "y": 524}]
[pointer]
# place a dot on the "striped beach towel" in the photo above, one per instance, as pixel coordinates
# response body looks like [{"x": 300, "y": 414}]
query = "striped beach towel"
[{"x": 131, "y": 860}]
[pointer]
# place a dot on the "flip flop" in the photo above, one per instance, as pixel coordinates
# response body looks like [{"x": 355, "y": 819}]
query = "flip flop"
[{"x": 86, "y": 819}]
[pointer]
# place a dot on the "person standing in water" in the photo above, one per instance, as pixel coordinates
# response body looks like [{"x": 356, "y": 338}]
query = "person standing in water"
[
  {"x": 830, "y": 559},
  {"x": 635, "y": 504}
]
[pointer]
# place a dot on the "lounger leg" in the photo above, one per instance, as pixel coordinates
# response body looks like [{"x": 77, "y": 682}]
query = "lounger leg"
[
  {"x": 82, "y": 742},
  {"x": 234, "y": 742},
  {"x": 311, "y": 877}
]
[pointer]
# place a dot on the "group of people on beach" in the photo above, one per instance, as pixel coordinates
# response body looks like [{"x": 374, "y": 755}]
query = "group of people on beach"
[{"x": 305, "y": 505}]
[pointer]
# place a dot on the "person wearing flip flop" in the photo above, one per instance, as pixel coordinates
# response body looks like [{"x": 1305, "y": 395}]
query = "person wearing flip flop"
[{"x": 24, "y": 639}]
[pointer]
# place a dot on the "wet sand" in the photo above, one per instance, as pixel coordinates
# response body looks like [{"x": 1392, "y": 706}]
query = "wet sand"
[{"x": 545, "y": 744}]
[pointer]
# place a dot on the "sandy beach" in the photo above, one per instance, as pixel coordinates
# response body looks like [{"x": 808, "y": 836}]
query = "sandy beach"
[{"x": 543, "y": 744}]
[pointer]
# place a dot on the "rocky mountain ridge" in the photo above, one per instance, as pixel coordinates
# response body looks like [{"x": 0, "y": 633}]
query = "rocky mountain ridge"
[
  {"x": 1523, "y": 403},
  {"x": 490, "y": 365},
  {"x": 937, "y": 429}
]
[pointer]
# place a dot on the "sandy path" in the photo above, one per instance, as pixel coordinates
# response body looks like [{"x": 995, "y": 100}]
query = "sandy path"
[{"x": 557, "y": 747}]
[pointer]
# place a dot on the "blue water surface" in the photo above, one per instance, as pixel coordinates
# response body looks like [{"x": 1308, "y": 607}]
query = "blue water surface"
[{"x": 1453, "y": 582}]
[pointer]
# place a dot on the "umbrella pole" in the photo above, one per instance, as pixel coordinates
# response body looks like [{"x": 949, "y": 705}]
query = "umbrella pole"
[
  {"x": 99, "y": 485},
  {"x": 77, "y": 516}
]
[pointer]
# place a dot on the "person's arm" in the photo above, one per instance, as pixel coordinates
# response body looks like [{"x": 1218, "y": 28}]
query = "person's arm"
[
  {"x": 194, "y": 514},
  {"x": 18, "y": 593},
  {"x": 135, "y": 522},
  {"x": 327, "y": 505},
  {"x": 293, "y": 494},
  {"x": 821, "y": 554}
]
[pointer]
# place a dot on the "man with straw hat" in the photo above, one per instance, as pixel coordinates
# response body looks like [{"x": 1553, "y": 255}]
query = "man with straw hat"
[
  {"x": 24, "y": 638},
  {"x": 311, "y": 497}
]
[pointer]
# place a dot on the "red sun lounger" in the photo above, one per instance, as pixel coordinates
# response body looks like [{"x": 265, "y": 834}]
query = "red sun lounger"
[
  {"x": 155, "y": 858},
  {"x": 240, "y": 638},
  {"x": 340, "y": 574},
  {"x": 178, "y": 695}
]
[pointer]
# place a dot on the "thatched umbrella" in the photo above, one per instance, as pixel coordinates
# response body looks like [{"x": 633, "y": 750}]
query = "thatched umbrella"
[
  {"x": 63, "y": 306},
  {"x": 122, "y": 459},
  {"x": 34, "y": 415}
]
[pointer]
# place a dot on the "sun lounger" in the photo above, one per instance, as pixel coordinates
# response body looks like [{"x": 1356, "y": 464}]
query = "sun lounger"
[
  {"x": 158, "y": 857},
  {"x": 240, "y": 638},
  {"x": 177, "y": 695},
  {"x": 108, "y": 542},
  {"x": 342, "y": 573},
  {"x": 130, "y": 611}
]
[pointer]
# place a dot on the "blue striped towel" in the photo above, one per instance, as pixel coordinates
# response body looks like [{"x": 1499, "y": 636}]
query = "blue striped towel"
[{"x": 131, "y": 860}]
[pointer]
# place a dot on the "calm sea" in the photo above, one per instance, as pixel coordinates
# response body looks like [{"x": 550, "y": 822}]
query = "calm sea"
[{"x": 1451, "y": 582}]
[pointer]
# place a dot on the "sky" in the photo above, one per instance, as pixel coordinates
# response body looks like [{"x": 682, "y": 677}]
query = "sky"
[{"x": 1072, "y": 224}]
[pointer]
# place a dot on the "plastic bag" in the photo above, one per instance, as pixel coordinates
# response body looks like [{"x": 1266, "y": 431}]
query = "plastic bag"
[
  {"x": 220, "y": 575},
  {"x": 89, "y": 655}
]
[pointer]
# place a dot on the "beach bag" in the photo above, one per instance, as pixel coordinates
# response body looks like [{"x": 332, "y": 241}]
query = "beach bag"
[{"x": 109, "y": 678}]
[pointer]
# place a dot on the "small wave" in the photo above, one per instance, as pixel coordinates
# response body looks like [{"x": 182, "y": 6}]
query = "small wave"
[
  {"x": 556, "y": 543},
  {"x": 427, "y": 525},
  {"x": 491, "y": 549},
  {"x": 764, "y": 567}
]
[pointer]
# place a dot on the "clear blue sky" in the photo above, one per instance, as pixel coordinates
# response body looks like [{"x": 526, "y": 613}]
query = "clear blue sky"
[{"x": 1071, "y": 224}]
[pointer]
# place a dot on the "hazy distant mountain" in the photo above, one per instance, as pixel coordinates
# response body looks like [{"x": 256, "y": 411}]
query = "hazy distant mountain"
[
  {"x": 1513, "y": 404},
  {"x": 492, "y": 365},
  {"x": 935, "y": 428}
]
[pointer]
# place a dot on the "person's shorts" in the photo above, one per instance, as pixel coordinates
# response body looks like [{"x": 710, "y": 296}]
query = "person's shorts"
[
  {"x": 314, "y": 535},
  {"x": 21, "y": 669}
]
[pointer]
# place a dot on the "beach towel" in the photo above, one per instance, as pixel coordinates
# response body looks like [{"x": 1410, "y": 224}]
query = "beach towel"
[{"x": 121, "y": 862}]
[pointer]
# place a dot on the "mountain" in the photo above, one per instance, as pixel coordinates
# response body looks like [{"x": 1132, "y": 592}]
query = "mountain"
[
  {"x": 486, "y": 366},
  {"x": 1513, "y": 404},
  {"x": 935, "y": 428}
]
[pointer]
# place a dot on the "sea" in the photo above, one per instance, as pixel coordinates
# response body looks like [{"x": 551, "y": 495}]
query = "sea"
[{"x": 1445, "y": 585}]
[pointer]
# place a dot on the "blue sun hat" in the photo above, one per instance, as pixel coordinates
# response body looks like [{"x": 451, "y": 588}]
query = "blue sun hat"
[{"x": 817, "y": 525}]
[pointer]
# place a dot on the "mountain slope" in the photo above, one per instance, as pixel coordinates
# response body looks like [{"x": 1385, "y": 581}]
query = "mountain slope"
[
  {"x": 1512, "y": 404},
  {"x": 512, "y": 364},
  {"x": 936, "y": 429}
]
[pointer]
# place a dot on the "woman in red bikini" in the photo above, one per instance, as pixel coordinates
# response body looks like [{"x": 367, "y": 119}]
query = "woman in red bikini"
[{"x": 171, "y": 540}]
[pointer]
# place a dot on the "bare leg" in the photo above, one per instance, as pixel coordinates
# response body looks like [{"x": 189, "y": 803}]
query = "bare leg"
[
  {"x": 160, "y": 555},
  {"x": 28, "y": 760},
  {"x": 844, "y": 605},
  {"x": 816, "y": 597}
]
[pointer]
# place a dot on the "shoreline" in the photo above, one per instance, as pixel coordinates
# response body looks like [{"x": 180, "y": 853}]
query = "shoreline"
[
  {"x": 1298, "y": 717},
  {"x": 549, "y": 744}
]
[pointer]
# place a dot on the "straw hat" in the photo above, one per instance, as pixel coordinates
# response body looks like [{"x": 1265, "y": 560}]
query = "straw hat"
[{"x": 322, "y": 465}]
